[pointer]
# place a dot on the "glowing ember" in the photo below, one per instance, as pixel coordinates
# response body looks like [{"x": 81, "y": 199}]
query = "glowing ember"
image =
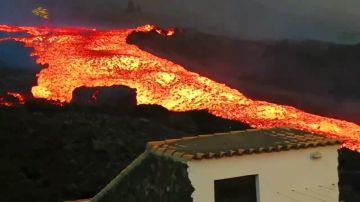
[
  {"x": 94, "y": 96},
  {"x": 5, "y": 103},
  {"x": 87, "y": 57},
  {"x": 20, "y": 99}
]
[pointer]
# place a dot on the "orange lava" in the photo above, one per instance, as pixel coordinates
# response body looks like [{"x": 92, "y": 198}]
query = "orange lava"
[{"x": 87, "y": 57}]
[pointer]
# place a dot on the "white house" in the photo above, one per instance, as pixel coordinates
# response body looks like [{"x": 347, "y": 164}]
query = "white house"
[{"x": 272, "y": 165}]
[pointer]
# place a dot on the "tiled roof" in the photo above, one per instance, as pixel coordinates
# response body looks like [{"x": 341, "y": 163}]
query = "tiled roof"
[{"x": 238, "y": 143}]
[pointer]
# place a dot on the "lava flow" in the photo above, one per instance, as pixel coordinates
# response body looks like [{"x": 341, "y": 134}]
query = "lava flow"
[{"x": 87, "y": 57}]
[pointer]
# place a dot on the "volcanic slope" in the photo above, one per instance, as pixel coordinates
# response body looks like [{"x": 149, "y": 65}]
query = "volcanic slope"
[{"x": 87, "y": 57}]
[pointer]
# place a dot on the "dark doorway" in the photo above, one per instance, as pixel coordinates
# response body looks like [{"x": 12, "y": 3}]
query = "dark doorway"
[{"x": 238, "y": 189}]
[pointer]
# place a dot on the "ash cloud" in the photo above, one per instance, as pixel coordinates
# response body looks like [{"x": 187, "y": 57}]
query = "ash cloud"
[
  {"x": 328, "y": 20},
  {"x": 66, "y": 12},
  {"x": 263, "y": 19}
]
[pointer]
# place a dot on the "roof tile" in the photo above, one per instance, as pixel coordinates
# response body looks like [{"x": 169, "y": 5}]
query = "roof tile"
[{"x": 233, "y": 143}]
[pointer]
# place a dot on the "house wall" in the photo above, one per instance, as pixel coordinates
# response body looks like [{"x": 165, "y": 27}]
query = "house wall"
[{"x": 282, "y": 176}]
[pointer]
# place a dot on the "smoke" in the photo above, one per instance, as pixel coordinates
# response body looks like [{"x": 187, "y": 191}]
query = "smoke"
[
  {"x": 66, "y": 12},
  {"x": 329, "y": 20},
  {"x": 307, "y": 19},
  {"x": 14, "y": 55}
]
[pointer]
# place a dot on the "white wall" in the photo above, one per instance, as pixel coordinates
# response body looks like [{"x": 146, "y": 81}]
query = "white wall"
[{"x": 279, "y": 174}]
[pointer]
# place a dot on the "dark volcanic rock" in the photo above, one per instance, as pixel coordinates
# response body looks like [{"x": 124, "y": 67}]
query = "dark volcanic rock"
[
  {"x": 52, "y": 153},
  {"x": 15, "y": 79},
  {"x": 349, "y": 174},
  {"x": 170, "y": 178},
  {"x": 116, "y": 97}
]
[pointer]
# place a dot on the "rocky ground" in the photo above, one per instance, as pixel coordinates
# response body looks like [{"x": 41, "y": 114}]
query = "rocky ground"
[
  {"x": 51, "y": 154},
  {"x": 55, "y": 154}
]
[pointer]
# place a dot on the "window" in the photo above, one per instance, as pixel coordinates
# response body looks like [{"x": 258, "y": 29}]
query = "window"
[{"x": 236, "y": 189}]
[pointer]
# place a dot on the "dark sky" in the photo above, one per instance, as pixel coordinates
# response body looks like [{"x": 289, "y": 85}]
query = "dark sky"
[
  {"x": 299, "y": 19},
  {"x": 319, "y": 19}
]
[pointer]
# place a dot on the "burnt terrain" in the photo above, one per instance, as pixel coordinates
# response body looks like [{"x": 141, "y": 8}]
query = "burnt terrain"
[{"x": 50, "y": 153}]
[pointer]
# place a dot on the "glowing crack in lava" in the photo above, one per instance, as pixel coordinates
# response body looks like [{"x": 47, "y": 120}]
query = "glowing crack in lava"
[
  {"x": 16, "y": 98},
  {"x": 87, "y": 57}
]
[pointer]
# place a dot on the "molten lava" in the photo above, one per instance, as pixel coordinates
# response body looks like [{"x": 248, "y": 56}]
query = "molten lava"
[{"x": 86, "y": 57}]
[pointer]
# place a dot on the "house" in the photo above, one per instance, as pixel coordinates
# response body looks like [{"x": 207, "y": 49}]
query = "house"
[{"x": 267, "y": 165}]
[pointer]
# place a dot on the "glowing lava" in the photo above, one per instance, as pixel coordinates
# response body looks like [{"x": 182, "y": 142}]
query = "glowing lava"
[
  {"x": 16, "y": 98},
  {"x": 86, "y": 57}
]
